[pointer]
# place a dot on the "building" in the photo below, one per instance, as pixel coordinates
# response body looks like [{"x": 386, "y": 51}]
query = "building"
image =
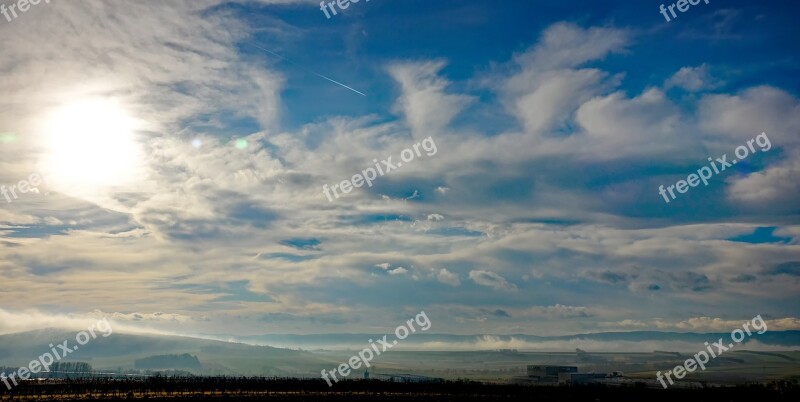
[
  {"x": 581, "y": 378},
  {"x": 408, "y": 378},
  {"x": 564, "y": 375},
  {"x": 549, "y": 374}
]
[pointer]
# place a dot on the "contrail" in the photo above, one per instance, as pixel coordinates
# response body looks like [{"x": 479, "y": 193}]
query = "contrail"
[{"x": 310, "y": 71}]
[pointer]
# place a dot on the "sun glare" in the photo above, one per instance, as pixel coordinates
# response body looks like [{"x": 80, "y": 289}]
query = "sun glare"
[{"x": 90, "y": 145}]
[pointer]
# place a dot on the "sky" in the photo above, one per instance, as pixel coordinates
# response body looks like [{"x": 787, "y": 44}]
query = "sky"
[{"x": 181, "y": 152}]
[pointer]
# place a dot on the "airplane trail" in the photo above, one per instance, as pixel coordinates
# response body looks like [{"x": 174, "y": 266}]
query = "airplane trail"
[{"x": 310, "y": 71}]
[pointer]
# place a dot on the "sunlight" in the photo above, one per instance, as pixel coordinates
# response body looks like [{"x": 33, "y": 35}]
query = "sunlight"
[{"x": 90, "y": 146}]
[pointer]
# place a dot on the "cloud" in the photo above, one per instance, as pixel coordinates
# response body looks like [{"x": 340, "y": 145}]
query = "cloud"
[
  {"x": 447, "y": 277},
  {"x": 559, "y": 311},
  {"x": 491, "y": 342},
  {"x": 492, "y": 280},
  {"x": 568, "y": 45},
  {"x": 744, "y": 278},
  {"x": 499, "y": 313},
  {"x": 426, "y": 106},
  {"x": 692, "y": 79},
  {"x": 741, "y": 116},
  {"x": 563, "y": 191},
  {"x": 33, "y": 319},
  {"x": 627, "y": 124},
  {"x": 157, "y": 316},
  {"x": 548, "y": 86},
  {"x": 691, "y": 280},
  {"x": 707, "y": 324},
  {"x": 398, "y": 271},
  {"x": 790, "y": 268},
  {"x": 609, "y": 277},
  {"x": 775, "y": 186}
]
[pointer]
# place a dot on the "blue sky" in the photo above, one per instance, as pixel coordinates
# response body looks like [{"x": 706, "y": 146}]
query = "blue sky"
[
  {"x": 185, "y": 166},
  {"x": 474, "y": 36}
]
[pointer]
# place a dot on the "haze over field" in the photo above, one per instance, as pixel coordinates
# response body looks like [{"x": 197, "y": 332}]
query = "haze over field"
[{"x": 440, "y": 356}]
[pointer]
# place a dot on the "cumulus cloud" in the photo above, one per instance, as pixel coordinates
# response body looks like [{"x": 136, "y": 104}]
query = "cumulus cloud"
[
  {"x": 738, "y": 117},
  {"x": 425, "y": 104},
  {"x": 448, "y": 277},
  {"x": 398, "y": 271},
  {"x": 548, "y": 85},
  {"x": 692, "y": 79},
  {"x": 568, "y": 45},
  {"x": 492, "y": 280},
  {"x": 777, "y": 186}
]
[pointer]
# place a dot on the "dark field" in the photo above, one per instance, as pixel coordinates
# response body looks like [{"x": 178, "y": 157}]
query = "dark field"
[{"x": 275, "y": 389}]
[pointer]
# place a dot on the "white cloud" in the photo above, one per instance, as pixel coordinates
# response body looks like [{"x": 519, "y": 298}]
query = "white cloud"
[
  {"x": 426, "y": 106},
  {"x": 548, "y": 87},
  {"x": 735, "y": 118},
  {"x": 32, "y": 319},
  {"x": 558, "y": 311},
  {"x": 492, "y": 280},
  {"x": 448, "y": 277},
  {"x": 568, "y": 45},
  {"x": 157, "y": 316},
  {"x": 707, "y": 324},
  {"x": 617, "y": 126},
  {"x": 776, "y": 186},
  {"x": 692, "y": 79},
  {"x": 398, "y": 271}
]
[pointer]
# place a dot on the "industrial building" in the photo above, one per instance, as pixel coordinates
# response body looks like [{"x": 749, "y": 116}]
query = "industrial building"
[
  {"x": 543, "y": 372},
  {"x": 553, "y": 375}
]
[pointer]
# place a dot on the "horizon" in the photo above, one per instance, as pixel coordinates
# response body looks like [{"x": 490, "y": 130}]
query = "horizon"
[{"x": 598, "y": 342}]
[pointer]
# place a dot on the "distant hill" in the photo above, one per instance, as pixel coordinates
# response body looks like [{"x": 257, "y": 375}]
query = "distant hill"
[
  {"x": 122, "y": 351},
  {"x": 788, "y": 339},
  {"x": 184, "y": 361}
]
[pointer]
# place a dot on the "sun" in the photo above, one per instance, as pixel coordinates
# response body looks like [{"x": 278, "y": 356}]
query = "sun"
[{"x": 90, "y": 145}]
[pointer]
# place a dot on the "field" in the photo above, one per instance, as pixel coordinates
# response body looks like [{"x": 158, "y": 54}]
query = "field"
[
  {"x": 276, "y": 389},
  {"x": 502, "y": 367}
]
